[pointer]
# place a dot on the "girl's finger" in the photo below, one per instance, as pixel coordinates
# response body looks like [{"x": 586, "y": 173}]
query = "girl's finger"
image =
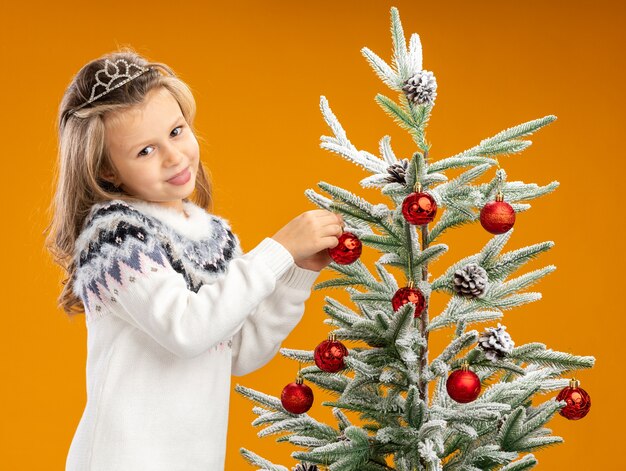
[
  {"x": 331, "y": 230},
  {"x": 329, "y": 219}
]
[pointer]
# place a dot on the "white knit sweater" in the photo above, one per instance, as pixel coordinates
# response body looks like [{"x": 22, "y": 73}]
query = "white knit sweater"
[{"x": 173, "y": 308}]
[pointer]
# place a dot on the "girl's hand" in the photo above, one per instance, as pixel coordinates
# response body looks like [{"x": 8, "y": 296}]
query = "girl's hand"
[
  {"x": 309, "y": 236},
  {"x": 315, "y": 262}
]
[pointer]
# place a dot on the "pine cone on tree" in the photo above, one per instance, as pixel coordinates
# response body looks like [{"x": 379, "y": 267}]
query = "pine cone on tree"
[
  {"x": 397, "y": 172},
  {"x": 470, "y": 281},
  {"x": 421, "y": 88},
  {"x": 496, "y": 342},
  {"x": 305, "y": 467}
]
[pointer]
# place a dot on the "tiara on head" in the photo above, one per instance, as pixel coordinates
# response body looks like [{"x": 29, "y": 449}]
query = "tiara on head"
[{"x": 121, "y": 70}]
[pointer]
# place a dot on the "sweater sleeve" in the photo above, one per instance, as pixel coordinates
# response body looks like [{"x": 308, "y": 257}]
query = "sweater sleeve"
[
  {"x": 141, "y": 287},
  {"x": 262, "y": 333}
]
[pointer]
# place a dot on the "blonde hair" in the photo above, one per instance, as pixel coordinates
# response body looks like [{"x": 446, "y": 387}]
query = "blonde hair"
[{"x": 83, "y": 158}]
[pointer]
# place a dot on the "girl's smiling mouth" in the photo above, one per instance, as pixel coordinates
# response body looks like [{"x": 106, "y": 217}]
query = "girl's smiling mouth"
[{"x": 181, "y": 178}]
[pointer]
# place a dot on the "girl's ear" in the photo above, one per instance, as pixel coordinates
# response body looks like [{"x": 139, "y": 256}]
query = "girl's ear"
[
  {"x": 109, "y": 174},
  {"x": 111, "y": 177}
]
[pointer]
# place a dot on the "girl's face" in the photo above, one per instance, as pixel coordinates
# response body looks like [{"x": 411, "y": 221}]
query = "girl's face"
[{"x": 149, "y": 144}]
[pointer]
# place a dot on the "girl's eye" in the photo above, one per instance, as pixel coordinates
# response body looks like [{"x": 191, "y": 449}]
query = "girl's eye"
[
  {"x": 141, "y": 154},
  {"x": 181, "y": 129}
]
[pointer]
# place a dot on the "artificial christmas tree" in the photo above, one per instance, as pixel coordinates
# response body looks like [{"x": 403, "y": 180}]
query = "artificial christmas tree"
[{"x": 479, "y": 415}]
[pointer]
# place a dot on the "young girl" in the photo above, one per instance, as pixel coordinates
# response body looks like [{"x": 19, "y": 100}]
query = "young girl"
[{"x": 172, "y": 305}]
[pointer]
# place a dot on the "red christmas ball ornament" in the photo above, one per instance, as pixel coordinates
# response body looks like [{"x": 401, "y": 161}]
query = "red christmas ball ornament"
[
  {"x": 419, "y": 208},
  {"x": 497, "y": 216},
  {"x": 409, "y": 294},
  {"x": 329, "y": 355},
  {"x": 578, "y": 401},
  {"x": 297, "y": 397},
  {"x": 463, "y": 385},
  {"x": 347, "y": 250}
]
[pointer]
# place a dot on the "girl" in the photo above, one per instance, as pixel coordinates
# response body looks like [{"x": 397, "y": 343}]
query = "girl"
[{"x": 172, "y": 305}]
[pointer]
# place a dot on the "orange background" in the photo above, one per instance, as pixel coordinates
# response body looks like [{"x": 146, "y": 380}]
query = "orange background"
[{"x": 257, "y": 70}]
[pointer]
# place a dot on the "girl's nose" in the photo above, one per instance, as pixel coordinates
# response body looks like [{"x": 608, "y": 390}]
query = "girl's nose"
[{"x": 173, "y": 155}]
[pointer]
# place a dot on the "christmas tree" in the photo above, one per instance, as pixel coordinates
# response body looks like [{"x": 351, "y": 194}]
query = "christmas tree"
[{"x": 478, "y": 413}]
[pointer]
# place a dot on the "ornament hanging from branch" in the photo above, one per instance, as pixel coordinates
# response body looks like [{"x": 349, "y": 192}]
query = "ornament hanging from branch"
[
  {"x": 463, "y": 385},
  {"x": 578, "y": 401},
  {"x": 348, "y": 250},
  {"x": 419, "y": 208},
  {"x": 329, "y": 355},
  {"x": 297, "y": 397},
  {"x": 409, "y": 294},
  {"x": 498, "y": 216}
]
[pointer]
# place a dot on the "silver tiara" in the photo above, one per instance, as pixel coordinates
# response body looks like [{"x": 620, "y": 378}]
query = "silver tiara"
[{"x": 104, "y": 80}]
